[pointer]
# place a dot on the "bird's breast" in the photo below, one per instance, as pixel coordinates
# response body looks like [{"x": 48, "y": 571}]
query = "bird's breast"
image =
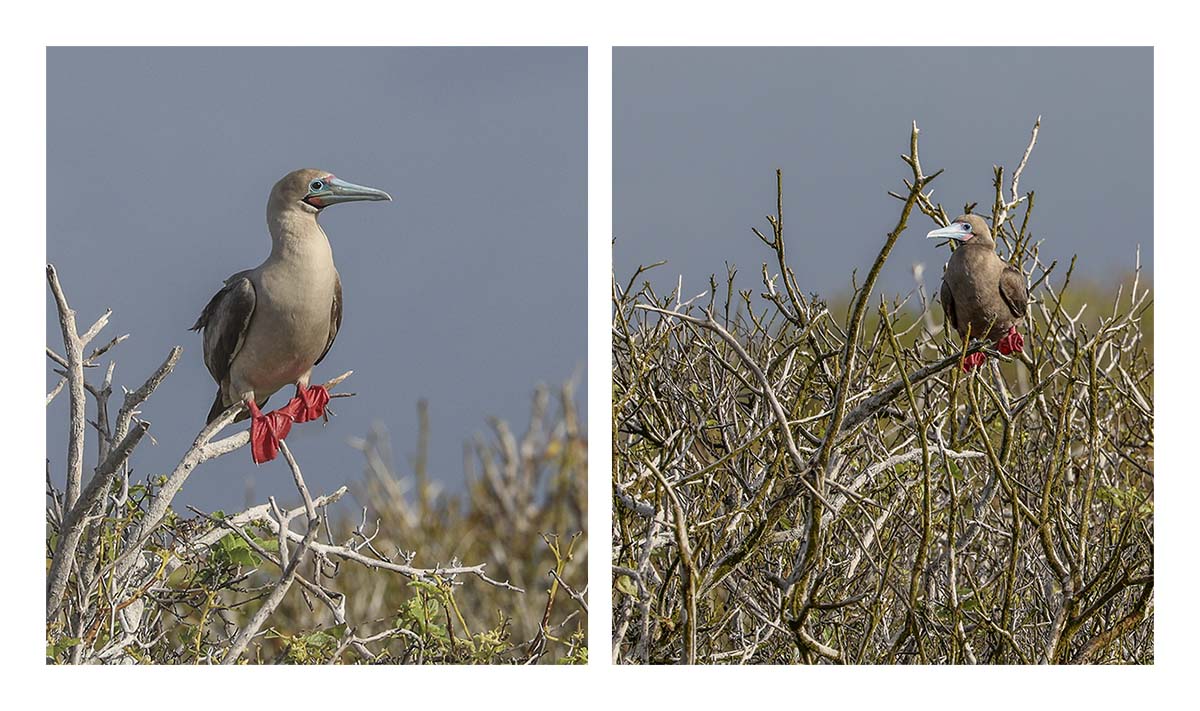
[
  {"x": 290, "y": 326},
  {"x": 974, "y": 281},
  {"x": 299, "y": 306}
]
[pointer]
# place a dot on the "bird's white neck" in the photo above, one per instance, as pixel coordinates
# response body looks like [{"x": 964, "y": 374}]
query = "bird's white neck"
[{"x": 295, "y": 235}]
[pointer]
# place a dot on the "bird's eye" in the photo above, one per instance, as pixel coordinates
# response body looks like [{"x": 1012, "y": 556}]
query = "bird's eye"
[{"x": 316, "y": 185}]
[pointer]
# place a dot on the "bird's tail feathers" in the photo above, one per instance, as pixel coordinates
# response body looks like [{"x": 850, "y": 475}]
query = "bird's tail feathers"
[{"x": 217, "y": 408}]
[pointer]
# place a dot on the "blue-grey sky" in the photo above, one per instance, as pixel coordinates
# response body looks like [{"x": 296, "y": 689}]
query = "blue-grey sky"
[
  {"x": 699, "y": 132},
  {"x": 467, "y": 290}
]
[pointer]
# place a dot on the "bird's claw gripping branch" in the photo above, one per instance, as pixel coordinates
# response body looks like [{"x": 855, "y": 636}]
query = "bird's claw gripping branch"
[{"x": 267, "y": 431}]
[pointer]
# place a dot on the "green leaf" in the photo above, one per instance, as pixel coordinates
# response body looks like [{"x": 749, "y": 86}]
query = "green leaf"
[
  {"x": 626, "y": 585},
  {"x": 415, "y": 610},
  {"x": 53, "y": 650},
  {"x": 320, "y": 639},
  {"x": 232, "y": 548},
  {"x": 579, "y": 657}
]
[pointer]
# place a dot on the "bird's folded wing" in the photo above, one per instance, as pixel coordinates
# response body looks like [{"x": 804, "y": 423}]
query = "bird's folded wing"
[
  {"x": 225, "y": 320},
  {"x": 1014, "y": 291},
  {"x": 948, "y": 305},
  {"x": 335, "y": 315}
]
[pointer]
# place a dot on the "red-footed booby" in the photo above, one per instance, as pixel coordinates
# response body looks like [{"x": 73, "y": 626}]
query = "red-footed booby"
[
  {"x": 981, "y": 293},
  {"x": 270, "y": 325}
]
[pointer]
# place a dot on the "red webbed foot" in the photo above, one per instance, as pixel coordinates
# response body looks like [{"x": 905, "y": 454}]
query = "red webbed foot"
[
  {"x": 310, "y": 404},
  {"x": 266, "y": 432},
  {"x": 973, "y": 361},
  {"x": 1010, "y": 343}
]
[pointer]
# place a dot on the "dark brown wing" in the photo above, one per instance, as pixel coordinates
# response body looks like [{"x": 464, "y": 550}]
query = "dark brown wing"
[
  {"x": 1014, "y": 291},
  {"x": 948, "y": 305},
  {"x": 224, "y": 322},
  {"x": 335, "y": 315}
]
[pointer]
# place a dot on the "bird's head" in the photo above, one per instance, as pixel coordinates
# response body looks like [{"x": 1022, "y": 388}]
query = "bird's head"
[
  {"x": 966, "y": 228},
  {"x": 312, "y": 190}
]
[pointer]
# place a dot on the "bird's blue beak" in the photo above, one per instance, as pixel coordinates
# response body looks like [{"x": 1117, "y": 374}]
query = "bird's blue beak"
[
  {"x": 959, "y": 231},
  {"x": 337, "y": 191}
]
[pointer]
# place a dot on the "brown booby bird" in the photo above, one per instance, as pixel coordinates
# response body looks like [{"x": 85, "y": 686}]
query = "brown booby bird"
[
  {"x": 270, "y": 325},
  {"x": 981, "y": 293}
]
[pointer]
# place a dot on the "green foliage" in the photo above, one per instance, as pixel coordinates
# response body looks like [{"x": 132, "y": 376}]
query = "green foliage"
[
  {"x": 420, "y": 611},
  {"x": 1132, "y": 501},
  {"x": 316, "y": 647},
  {"x": 55, "y": 650},
  {"x": 578, "y": 646},
  {"x": 232, "y": 549}
]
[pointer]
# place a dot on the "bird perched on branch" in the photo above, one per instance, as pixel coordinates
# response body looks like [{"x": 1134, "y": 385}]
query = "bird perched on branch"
[
  {"x": 982, "y": 295},
  {"x": 270, "y": 325}
]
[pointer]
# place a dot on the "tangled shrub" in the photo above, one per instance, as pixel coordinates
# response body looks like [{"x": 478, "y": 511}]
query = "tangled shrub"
[{"x": 793, "y": 484}]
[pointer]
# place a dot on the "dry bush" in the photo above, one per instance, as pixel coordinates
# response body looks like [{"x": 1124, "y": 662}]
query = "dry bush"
[
  {"x": 132, "y": 580},
  {"x": 792, "y": 484},
  {"x": 519, "y": 491}
]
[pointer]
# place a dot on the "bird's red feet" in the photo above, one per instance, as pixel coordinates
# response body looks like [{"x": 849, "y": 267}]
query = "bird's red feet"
[
  {"x": 266, "y": 432},
  {"x": 1012, "y": 342},
  {"x": 973, "y": 361},
  {"x": 310, "y": 403}
]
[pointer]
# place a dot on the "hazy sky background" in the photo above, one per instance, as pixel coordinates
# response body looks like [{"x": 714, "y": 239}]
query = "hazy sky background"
[
  {"x": 699, "y": 132},
  {"x": 468, "y": 289}
]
